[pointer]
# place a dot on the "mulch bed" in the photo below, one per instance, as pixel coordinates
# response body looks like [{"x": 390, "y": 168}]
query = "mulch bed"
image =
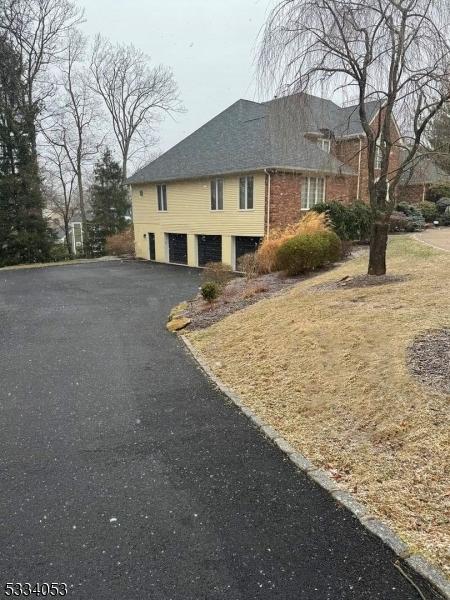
[
  {"x": 429, "y": 359},
  {"x": 237, "y": 294}
]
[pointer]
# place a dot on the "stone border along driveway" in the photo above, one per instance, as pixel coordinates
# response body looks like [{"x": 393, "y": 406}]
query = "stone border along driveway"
[{"x": 415, "y": 561}]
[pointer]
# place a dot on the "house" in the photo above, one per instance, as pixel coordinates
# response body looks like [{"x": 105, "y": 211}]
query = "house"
[{"x": 252, "y": 168}]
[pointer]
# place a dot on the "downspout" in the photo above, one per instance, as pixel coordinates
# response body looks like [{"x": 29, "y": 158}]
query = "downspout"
[
  {"x": 359, "y": 170},
  {"x": 268, "y": 202}
]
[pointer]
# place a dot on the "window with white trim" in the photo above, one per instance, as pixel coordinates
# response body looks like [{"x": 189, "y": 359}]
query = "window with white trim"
[
  {"x": 217, "y": 194},
  {"x": 378, "y": 157},
  {"x": 246, "y": 193},
  {"x": 324, "y": 144},
  {"x": 313, "y": 192},
  {"x": 161, "y": 192}
]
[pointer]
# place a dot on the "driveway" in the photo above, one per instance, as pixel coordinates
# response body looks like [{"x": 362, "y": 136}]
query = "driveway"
[
  {"x": 126, "y": 474},
  {"x": 438, "y": 238}
]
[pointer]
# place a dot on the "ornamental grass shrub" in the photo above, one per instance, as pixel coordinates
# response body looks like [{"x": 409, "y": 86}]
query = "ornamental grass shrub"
[
  {"x": 308, "y": 251},
  {"x": 266, "y": 255}
]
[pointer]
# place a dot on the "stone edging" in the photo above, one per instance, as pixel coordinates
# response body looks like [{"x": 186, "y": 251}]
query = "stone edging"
[{"x": 415, "y": 561}]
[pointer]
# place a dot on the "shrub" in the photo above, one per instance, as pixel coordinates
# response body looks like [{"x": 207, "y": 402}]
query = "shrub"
[
  {"x": 306, "y": 252},
  {"x": 248, "y": 264},
  {"x": 398, "y": 221},
  {"x": 429, "y": 211},
  {"x": 351, "y": 222},
  {"x": 210, "y": 290},
  {"x": 266, "y": 255},
  {"x": 442, "y": 205},
  {"x": 415, "y": 220},
  {"x": 312, "y": 222},
  {"x": 217, "y": 272},
  {"x": 438, "y": 191},
  {"x": 59, "y": 252},
  {"x": 121, "y": 243}
]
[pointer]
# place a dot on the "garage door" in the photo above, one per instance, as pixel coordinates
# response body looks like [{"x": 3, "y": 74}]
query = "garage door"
[
  {"x": 209, "y": 249},
  {"x": 177, "y": 248},
  {"x": 245, "y": 245}
]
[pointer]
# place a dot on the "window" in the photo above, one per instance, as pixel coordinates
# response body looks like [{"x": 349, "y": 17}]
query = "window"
[
  {"x": 217, "y": 194},
  {"x": 161, "y": 191},
  {"x": 378, "y": 157},
  {"x": 313, "y": 192},
  {"x": 324, "y": 144},
  {"x": 246, "y": 193}
]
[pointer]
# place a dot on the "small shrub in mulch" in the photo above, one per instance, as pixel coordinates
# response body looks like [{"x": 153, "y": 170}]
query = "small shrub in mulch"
[
  {"x": 429, "y": 359},
  {"x": 210, "y": 290}
]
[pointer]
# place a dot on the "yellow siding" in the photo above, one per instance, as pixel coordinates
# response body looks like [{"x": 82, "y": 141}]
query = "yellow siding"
[{"x": 188, "y": 204}]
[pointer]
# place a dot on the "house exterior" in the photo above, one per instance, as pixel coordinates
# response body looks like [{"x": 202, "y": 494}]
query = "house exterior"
[{"x": 252, "y": 168}]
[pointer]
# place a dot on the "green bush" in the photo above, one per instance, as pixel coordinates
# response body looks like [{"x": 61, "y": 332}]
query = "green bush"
[
  {"x": 308, "y": 251},
  {"x": 438, "y": 191},
  {"x": 58, "y": 253},
  {"x": 429, "y": 211},
  {"x": 210, "y": 290},
  {"x": 442, "y": 205},
  {"x": 351, "y": 222},
  {"x": 415, "y": 220}
]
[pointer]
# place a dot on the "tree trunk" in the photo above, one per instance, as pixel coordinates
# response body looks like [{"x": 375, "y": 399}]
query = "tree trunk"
[
  {"x": 86, "y": 240},
  {"x": 378, "y": 245},
  {"x": 67, "y": 236}
]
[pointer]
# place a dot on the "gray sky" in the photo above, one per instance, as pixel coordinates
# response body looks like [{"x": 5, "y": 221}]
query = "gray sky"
[{"x": 209, "y": 44}]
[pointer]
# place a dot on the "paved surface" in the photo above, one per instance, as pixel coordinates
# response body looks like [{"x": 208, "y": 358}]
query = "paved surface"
[
  {"x": 124, "y": 473},
  {"x": 439, "y": 237}
]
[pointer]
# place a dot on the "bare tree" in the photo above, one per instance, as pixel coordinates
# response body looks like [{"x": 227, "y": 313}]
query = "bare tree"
[
  {"x": 392, "y": 51},
  {"x": 61, "y": 197},
  {"x": 37, "y": 30},
  {"x": 135, "y": 93},
  {"x": 74, "y": 123}
]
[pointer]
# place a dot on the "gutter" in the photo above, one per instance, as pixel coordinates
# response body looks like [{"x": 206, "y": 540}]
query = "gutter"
[{"x": 268, "y": 202}]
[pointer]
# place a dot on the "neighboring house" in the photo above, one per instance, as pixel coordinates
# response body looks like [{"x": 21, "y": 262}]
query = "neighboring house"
[{"x": 252, "y": 168}]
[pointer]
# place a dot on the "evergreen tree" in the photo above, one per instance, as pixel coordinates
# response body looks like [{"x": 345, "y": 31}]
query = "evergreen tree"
[
  {"x": 109, "y": 199},
  {"x": 440, "y": 138},
  {"x": 24, "y": 234}
]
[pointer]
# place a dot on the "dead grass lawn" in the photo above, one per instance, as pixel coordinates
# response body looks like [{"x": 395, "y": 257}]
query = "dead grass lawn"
[{"x": 327, "y": 368}]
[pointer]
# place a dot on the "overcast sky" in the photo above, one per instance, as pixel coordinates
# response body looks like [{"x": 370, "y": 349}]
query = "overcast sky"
[{"x": 209, "y": 44}]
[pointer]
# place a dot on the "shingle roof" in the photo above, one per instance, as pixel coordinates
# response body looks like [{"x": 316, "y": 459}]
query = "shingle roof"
[
  {"x": 251, "y": 136},
  {"x": 425, "y": 171}
]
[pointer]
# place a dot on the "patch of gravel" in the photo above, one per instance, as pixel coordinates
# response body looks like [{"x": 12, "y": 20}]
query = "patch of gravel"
[
  {"x": 429, "y": 359},
  {"x": 359, "y": 281}
]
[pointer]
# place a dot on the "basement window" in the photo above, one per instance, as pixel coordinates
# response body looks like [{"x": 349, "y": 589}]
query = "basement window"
[
  {"x": 161, "y": 192},
  {"x": 313, "y": 192},
  {"x": 246, "y": 193},
  {"x": 217, "y": 194}
]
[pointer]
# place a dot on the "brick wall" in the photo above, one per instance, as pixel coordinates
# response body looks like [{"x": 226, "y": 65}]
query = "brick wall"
[
  {"x": 285, "y": 196},
  {"x": 347, "y": 151},
  {"x": 285, "y": 199},
  {"x": 412, "y": 194}
]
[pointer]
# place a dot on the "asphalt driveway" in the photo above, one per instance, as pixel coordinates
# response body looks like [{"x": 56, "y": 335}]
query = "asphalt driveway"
[{"x": 127, "y": 475}]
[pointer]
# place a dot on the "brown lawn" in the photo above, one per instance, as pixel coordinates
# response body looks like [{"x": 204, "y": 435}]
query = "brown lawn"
[{"x": 327, "y": 366}]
